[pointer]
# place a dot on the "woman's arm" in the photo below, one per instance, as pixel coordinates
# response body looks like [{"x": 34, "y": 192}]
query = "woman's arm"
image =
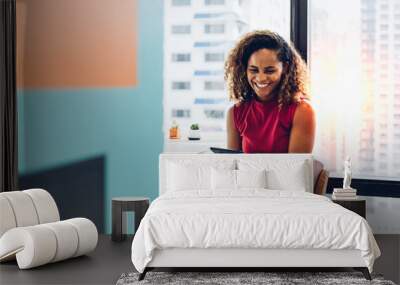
[
  {"x": 302, "y": 134},
  {"x": 233, "y": 137}
]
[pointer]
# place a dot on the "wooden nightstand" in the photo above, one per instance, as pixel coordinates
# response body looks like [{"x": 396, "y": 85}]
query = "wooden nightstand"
[{"x": 358, "y": 206}]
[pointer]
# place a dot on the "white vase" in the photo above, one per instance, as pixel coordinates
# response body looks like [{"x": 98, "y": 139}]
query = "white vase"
[{"x": 194, "y": 135}]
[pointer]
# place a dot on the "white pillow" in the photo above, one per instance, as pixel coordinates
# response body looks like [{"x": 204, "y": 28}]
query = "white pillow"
[
  {"x": 187, "y": 177},
  {"x": 251, "y": 178},
  {"x": 225, "y": 179},
  {"x": 294, "y": 180},
  {"x": 193, "y": 174},
  {"x": 290, "y": 174}
]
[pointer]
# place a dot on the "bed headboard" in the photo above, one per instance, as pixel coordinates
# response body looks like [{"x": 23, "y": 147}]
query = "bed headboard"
[{"x": 166, "y": 158}]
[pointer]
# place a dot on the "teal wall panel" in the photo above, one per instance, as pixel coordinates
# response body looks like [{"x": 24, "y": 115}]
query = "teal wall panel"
[
  {"x": 124, "y": 124},
  {"x": 21, "y": 131}
]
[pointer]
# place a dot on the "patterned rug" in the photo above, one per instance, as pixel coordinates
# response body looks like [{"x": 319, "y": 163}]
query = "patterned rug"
[{"x": 270, "y": 278}]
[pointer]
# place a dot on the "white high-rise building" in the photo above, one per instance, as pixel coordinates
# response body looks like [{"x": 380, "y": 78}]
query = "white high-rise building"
[
  {"x": 355, "y": 79},
  {"x": 380, "y": 43}
]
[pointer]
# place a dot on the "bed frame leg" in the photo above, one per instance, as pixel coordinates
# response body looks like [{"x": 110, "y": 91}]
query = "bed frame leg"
[
  {"x": 364, "y": 271},
  {"x": 143, "y": 274}
]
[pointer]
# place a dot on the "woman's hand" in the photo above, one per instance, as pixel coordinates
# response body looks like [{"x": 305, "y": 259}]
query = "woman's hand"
[{"x": 302, "y": 134}]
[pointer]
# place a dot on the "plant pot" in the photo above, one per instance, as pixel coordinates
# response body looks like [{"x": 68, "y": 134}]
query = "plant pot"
[
  {"x": 174, "y": 133},
  {"x": 194, "y": 135}
]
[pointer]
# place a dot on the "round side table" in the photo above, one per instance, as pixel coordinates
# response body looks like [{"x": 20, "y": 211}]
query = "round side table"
[{"x": 121, "y": 205}]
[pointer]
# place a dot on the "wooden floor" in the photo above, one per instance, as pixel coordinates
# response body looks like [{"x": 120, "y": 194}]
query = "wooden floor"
[{"x": 110, "y": 260}]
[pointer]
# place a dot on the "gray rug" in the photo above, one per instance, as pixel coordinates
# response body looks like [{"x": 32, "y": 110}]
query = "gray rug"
[{"x": 225, "y": 278}]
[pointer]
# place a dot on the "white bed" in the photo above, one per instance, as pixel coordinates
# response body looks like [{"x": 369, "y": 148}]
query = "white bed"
[{"x": 229, "y": 218}]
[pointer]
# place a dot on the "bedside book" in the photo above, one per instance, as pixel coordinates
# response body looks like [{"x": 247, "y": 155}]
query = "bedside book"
[
  {"x": 334, "y": 197},
  {"x": 344, "y": 194},
  {"x": 344, "y": 190}
]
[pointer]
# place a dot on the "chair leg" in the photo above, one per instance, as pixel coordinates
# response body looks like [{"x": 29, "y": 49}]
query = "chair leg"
[
  {"x": 143, "y": 274},
  {"x": 364, "y": 271}
]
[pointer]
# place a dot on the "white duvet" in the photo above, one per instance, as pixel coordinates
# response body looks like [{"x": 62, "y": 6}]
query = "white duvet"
[{"x": 250, "y": 219}]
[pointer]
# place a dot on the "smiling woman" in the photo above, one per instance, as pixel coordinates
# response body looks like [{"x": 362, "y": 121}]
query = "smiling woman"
[{"x": 267, "y": 78}]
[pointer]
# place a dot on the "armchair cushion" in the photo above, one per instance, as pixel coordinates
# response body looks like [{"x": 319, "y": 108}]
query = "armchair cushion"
[
  {"x": 37, "y": 245},
  {"x": 31, "y": 232},
  {"x": 45, "y": 206},
  {"x": 7, "y": 219},
  {"x": 23, "y": 209}
]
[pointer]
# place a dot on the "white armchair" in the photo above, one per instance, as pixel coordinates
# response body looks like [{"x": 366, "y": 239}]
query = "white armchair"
[{"x": 31, "y": 230}]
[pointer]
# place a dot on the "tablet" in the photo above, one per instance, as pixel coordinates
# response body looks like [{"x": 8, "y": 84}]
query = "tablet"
[{"x": 224, "y": 150}]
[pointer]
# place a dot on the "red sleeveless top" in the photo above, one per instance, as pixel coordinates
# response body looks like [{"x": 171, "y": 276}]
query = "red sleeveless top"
[{"x": 263, "y": 127}]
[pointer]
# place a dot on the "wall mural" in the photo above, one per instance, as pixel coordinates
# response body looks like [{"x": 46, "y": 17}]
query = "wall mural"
[{"x": 76, "y": 44}]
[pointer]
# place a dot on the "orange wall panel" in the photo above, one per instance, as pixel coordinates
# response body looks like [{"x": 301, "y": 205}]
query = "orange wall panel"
[{"x": 76, "y": 43}]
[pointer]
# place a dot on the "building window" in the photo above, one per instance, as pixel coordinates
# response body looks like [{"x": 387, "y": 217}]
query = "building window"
[
  {"x": 214, "y": 2},
  {"x": 384, "y": 27},
  {"x": 214, "y": 85},
  {"x": 384, "y": 37},
  {"x": 214, "y": 28},
  {"x": 209, "y": 101},
  {"x": 181, "y": 85},
  {"x": 181, "y": 57},
  {"x": 178, "y": 3},
  {"x": 180, "y": 113},
  {"x": 214, "y": 114},
  {"x": 180, "y": 29},
  {"x": 384, "y": 7},
  {"x": 214, "y": 57}
]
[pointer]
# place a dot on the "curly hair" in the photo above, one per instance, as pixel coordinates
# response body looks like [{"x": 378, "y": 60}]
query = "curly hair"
[{"x": 294, "y": 81}]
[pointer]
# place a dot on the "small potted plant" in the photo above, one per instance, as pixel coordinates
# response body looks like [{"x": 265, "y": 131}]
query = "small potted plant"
[
  {"x": 194, "y": 132},
  {"x": 174, "y": 131}
]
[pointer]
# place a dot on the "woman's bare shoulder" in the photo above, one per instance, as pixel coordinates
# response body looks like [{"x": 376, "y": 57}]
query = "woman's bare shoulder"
[
  {"x": 304, "y": 104},
  {"x": 304, "y": 109}
]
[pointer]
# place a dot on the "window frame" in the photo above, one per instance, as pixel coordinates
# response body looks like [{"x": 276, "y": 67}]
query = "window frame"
[{"x": 299, "y": 26}]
